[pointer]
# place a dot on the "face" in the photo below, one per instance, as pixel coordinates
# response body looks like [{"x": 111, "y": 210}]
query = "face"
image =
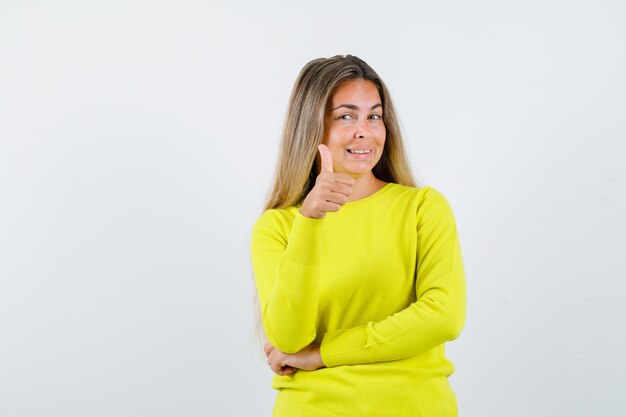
[{"x": 353, "y": 128}]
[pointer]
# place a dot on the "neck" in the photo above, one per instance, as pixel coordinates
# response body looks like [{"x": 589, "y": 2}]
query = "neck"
[{"x": 365, "y": 186}]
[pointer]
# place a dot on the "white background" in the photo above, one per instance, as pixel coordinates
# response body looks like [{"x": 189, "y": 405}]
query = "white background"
[{"x": 138, "y": 141}]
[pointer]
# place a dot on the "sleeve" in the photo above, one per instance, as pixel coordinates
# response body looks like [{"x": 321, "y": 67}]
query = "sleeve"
[
  {"x": 286, "y": 274},
  {"x": 437, "y": 315}
]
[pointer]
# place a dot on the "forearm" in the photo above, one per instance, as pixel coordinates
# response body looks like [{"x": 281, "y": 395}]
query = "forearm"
[
  {"x": 287, "y": 277},
  {"x": 289, "y": 315},
  {"x": 425, "y": 324}
]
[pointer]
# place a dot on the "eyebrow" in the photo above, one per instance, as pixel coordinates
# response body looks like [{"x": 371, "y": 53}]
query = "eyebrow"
[{"x": 353, "y": 107}]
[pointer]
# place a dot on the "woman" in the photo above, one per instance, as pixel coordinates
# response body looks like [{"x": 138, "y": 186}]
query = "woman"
[{"x": 359, "y": 273}]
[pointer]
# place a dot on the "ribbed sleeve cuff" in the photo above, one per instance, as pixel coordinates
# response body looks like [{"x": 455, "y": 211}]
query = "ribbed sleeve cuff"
[
  {"x": 305, "y": 240},
  {"x": 345, "y": 347}
]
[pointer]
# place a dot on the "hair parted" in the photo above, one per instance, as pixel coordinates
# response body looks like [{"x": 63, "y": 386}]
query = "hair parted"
[{"x": 303, "y": 129}]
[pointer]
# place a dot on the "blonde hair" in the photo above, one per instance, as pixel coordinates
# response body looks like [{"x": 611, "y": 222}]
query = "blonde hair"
[{"x": 303, "y": 130}]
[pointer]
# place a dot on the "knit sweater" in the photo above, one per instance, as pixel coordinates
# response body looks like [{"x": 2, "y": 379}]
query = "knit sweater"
[{"x": 380, "y": 285}]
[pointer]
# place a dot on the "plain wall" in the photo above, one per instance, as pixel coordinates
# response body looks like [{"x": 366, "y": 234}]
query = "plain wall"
[{"x": 138, "y": 141}]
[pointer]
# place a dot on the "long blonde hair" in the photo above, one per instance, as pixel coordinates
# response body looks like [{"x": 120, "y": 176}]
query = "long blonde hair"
[{"x": 303, "y": 130}]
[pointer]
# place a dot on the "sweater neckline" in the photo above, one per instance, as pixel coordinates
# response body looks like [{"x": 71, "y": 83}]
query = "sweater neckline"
[{"x": 374, "y": 196}]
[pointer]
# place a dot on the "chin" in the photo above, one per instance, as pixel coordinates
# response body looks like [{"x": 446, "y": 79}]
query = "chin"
[
  {"x": 359, "y": 169},
  {"x": 358, "y": 172}
]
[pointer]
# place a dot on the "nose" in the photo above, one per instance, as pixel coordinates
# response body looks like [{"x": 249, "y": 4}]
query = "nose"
[{"x": 362, "y": 129}]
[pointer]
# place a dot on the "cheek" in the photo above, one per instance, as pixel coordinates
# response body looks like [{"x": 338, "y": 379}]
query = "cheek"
[
  {"x": 337, "y": 137},
  {"x": 381, "y": 135}
]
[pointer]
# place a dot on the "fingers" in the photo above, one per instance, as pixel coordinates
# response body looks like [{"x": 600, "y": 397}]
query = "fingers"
[
  {"x": 327, "y": 166},
  {"x": 277, "y": 361},
  {"x": 331, "y": 191},
  {"x": 308, "y": 359},
  {"x": 325, "y": 199},
  {"x": 340, "y": 188},
  {"x": 344, "y": 179},
  {"x": 328, "y": 186},
  {"x": 288, "y": 370},
  {"x": 332, "y": 196},
  {"x": 327, "y": 158}
]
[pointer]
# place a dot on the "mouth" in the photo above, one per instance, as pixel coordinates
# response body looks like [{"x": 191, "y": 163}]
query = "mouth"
[
  {"x": 359, "y": 151},
  {"x": 360, "y": 154}
]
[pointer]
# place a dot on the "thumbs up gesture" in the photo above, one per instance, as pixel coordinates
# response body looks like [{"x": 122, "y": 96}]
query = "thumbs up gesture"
[{"x": 331, "y": 191}]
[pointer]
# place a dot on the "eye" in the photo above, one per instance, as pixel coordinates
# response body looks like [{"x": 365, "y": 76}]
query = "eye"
[
  {"x": 345, "y": 117},
  {"x": 375, "y": 117}
]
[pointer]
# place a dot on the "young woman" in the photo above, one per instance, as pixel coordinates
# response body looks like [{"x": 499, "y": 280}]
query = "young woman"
[{"x": 359, "y": 273}]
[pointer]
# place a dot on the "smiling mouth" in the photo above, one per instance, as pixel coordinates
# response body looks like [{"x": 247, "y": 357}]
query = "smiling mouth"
[{"x": 359, "y": 151}]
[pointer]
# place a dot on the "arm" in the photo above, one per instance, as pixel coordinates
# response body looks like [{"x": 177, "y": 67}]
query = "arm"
[
  {"x": 286, "y": 268},
  {"x": 286, "y": 272},
  {"x": 437, "y": 315}
]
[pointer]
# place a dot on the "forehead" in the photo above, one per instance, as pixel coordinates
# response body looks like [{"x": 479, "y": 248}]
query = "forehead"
[{"x": 355, "y": 91}]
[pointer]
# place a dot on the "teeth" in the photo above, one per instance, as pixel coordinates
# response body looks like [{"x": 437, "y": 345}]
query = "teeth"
[{"x": 359, "y": 151}]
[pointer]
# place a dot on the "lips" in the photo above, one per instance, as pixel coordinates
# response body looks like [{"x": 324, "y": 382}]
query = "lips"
[{"x": 359, "y": 151}]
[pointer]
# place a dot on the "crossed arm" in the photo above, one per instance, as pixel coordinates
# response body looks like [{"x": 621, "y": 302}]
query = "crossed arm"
[{"x": 289, "y": 301}]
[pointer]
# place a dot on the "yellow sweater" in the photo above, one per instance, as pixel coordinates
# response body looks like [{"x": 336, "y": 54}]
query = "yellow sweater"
[{"x": 380, "y": 285}]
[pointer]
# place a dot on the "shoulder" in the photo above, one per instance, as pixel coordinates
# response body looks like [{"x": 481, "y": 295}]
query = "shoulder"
[
  {"x": 426, "y": 194},
  {"x": 431, "y": 195},
  {"x": 275, "y": 221},
  {"x": 425, "y": 201},
  {"x": 433, "y": 205}
]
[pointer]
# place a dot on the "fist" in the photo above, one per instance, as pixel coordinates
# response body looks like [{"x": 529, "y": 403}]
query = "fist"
[
  {"x": 308, "y": 359},
  {"x": 331, "y": 191}
]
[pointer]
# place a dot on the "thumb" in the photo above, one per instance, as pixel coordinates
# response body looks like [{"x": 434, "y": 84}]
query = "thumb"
[{"x": 327, "y": 158}]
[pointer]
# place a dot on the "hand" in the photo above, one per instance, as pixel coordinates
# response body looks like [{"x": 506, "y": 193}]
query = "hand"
[
  {"x": 308, "y": 359},
  {"x": 331, "y": 191}
]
